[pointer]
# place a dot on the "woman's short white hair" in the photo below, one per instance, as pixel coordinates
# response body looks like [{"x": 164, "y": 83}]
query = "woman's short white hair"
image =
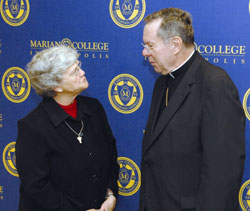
[{"x": 47, "y": 67}]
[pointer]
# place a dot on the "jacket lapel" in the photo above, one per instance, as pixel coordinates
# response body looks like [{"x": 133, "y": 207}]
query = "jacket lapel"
[
  {"x": 154, "y": 109},
  {"x": 157, "y": 103},
  {"x": 181, "y": 93}
]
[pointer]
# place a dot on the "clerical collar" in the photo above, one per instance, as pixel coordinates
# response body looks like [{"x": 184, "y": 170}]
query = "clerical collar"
[{"x": 179, "y": 67}]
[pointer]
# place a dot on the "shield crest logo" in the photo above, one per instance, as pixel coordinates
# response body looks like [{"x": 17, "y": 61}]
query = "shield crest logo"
[
  {"x": 14, "y": 12},
  {"x": 127, "y": 13},
  {"x": 15, "y": 84},
  {"x": 125, "y": 176},
  {"x": 125, "y": 93},
  {"x": 127, "y": 9},
  {"x": 14, "y": 8},
  {"x": 9, "y": 159}
]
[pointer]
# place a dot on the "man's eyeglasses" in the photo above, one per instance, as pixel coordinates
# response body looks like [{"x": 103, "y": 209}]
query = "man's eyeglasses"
[
  {"x": 148, "y": 48},
  {"x": 151, "y": 46}
]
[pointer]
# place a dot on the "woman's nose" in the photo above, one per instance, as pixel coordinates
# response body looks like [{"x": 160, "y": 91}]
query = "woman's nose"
[{"x": 82, "y": 72}]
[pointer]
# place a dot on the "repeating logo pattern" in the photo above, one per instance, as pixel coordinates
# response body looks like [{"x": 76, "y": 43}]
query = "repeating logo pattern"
[
  {"x": 127, "y": 13},
  {"x": 129, "y": 177},
  {"x": 16, "y": 84},
  {"x": 9, "y": 159},
  {"x": 125, "y": 93},
  {"x": 244, "y": 196},
  {"x": 15, "y": 12},
  {"x": 246, "y": 104}
]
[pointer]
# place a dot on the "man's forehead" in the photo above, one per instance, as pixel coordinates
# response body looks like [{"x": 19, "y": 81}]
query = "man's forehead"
[
  {"x": 151, "y": 28},
  {"x": 154, "y": 23}
]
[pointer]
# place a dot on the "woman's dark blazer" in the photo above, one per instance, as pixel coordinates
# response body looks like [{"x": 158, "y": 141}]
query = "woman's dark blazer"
[{"x": 57, "y": 172}]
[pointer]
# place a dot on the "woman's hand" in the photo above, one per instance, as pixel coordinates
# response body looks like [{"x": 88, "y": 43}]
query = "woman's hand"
[{"x": 109, "y": 203}]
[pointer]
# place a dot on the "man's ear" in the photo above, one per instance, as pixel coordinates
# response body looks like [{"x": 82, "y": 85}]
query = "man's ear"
[{"x": 177, "y": 44}]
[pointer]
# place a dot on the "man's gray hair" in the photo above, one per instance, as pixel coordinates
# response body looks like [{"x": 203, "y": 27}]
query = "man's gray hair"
[{"x": 175, "y": 22}]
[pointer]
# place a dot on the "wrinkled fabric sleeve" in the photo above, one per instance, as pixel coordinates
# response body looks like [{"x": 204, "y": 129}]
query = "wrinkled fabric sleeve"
[
  {"x": 223, "y": 146},
  {"x": 113, "y": 176},
  {"x": 33, "y": 165}
]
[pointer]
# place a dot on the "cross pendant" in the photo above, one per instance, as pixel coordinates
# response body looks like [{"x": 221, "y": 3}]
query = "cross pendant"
[{"x": 79, "y": 138}]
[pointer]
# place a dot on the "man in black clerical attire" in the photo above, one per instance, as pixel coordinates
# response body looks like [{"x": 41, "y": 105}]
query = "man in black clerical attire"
[{"x": 193, "y": 148}]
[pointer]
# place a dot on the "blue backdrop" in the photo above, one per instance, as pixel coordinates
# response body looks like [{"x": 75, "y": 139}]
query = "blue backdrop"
[{"x": 108, "y": 34}]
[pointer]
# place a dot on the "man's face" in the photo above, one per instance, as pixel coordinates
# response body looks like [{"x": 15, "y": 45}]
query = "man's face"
[{"x": 159, "y": 52}]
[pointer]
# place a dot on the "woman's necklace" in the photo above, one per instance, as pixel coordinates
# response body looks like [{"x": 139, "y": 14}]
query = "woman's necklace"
[{"x": 80, "y": 134}]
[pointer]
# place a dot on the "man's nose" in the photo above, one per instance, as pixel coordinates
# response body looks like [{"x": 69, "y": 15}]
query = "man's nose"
[{"x": 146, "y": 52}]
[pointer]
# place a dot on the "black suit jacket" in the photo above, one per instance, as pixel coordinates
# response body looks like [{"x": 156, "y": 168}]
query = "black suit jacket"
[
  {"x": 57, "y": 172},
  {"x": 193, "y": 155}
]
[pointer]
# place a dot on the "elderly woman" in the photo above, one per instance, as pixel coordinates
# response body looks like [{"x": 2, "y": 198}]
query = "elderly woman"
[{"x": 65, "y": 151}]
